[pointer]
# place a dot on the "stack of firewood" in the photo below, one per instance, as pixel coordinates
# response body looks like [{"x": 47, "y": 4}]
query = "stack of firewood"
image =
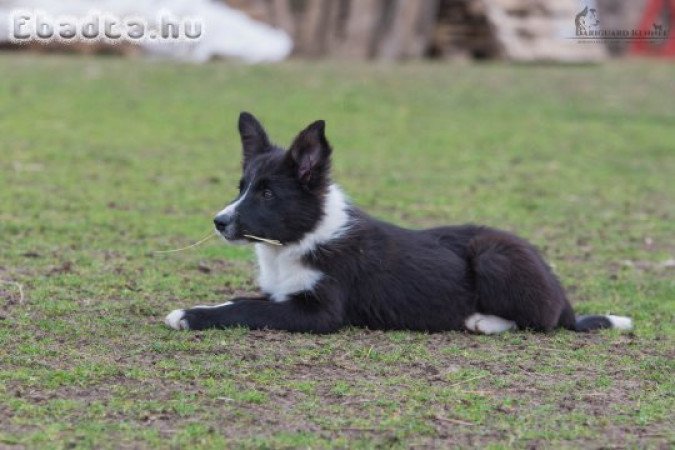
[
  {"x": 462, "y": 31},
  {"x": 363, "y": 29},
  {"x": 519, "y": 30},
  {"x": 539, "y": 30}
]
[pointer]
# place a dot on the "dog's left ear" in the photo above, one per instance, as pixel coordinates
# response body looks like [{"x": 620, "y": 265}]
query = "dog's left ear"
[{"x": 310, "y": 154}]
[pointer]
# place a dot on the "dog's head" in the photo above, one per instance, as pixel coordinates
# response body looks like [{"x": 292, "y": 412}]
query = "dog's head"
[{"x": 281, "y": 192}]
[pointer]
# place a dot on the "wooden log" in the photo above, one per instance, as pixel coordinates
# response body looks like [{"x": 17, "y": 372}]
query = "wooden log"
[
  {"x": 357, "y": 39},
  {"x": 408, "y": 35},
  {"x": 333, "y": 26},
  {"x": 424, "y": 29},
  {"x": 310, "y": 34},
  {"x": 281, "y": 16}
]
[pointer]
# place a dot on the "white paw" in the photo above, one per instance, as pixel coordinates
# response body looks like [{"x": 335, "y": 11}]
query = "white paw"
[
  {"x": 471, "y": 322},
  {"x": 487, "y": 324},
  {"x": 175, "y": 319},
  {"x": 621, "y": 322}
]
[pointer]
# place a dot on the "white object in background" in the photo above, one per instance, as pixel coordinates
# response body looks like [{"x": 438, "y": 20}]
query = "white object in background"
[{"x": 227, "y": 32}]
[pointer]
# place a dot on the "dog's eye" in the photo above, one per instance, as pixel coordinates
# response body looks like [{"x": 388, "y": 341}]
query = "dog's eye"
[
  {"x": 267, "y": 194},
  {"x": 241, "y": 186}
]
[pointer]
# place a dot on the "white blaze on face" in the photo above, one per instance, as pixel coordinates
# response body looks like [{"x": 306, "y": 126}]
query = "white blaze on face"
[{"x": 232, "y": 207}]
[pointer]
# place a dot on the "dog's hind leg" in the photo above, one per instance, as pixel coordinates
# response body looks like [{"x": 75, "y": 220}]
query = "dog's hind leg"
[{"x": 513, "y": 282}]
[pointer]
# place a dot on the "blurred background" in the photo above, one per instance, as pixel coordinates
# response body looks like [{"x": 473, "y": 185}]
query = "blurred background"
[{"x": 381, "y": 30}]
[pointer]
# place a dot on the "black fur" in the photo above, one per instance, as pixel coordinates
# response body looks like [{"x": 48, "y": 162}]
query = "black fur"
[
  {"x": 375, "y": 274},
  {"x": 588, "y": 323}
]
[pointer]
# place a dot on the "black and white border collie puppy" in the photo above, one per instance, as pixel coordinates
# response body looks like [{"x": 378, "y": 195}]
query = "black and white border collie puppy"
[{"x": 338, "y": 267}]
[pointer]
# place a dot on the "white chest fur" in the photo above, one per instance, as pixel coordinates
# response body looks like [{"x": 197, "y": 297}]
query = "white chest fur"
[
  {"x": 282, "y": 270},
  {"x": 283, "y": 273}
]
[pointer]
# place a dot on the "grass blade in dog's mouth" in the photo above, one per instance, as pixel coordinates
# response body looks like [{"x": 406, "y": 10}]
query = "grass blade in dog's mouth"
[{"x": 267, "y": 241}]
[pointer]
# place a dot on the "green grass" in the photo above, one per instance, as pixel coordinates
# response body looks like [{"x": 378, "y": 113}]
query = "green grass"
[{"x": 105, "y": 161}]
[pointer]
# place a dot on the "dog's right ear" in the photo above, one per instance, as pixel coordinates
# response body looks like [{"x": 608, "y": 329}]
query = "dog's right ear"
[{"x": 254, "y": 140}]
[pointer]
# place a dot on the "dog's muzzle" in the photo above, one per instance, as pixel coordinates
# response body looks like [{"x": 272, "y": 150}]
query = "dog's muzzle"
[{"x": 225, "y": 224}]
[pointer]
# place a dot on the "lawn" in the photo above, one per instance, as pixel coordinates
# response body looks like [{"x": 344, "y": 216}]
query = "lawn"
[{"x": 105, "y": 161}]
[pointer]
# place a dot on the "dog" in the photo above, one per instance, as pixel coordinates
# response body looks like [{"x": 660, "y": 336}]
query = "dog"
[{"x": 325, "y": 264}]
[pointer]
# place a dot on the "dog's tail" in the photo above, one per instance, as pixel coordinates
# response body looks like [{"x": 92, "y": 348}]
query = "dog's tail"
[
  {"x": 597, "y": 322},
  {"x": 582, "y": 324}
]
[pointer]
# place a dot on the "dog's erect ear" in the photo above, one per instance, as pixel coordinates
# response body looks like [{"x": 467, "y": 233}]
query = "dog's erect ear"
[
  {"x": 254, "y": 140},
  {"x": 310, "y": 154}
]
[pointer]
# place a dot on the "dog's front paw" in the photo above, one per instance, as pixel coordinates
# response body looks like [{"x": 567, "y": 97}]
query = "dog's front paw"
[{"x": 176, "y": 320}]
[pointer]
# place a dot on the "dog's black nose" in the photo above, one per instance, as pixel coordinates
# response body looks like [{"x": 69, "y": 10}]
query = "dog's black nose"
[{"x": 222, "y": 222}]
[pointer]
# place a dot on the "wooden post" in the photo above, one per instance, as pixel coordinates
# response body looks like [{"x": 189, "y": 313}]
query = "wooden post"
[
  {"x": 281, "y": 16},
  {"x": 358, "y": 39},
  {"x": 409, "y": 33}
]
